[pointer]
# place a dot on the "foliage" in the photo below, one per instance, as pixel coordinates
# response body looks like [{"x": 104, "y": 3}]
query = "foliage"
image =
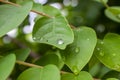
[{"x": 58, "y": 50}]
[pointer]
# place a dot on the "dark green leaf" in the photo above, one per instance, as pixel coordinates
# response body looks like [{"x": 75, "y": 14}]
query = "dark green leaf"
[
  {"x": 11, "y": 16},
  {"x": 80, "y": 51},
  {"x": 6, "y": 66},
  {"x": 53, "y": 31},
  {"x": 52, "y": 57},
  {"x": 49, "y": 72}
]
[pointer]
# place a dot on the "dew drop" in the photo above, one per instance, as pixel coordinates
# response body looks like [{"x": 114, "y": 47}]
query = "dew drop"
[
  {"x": 98, "y": 49},
  {"x": 75, "y": 70},
  {"x": 118, "y": 16},
  {"x": 102, "y": 42},
  {"x": 88, "y": 39},
  {"x": 117, "y": 66},
  {"x": 114, "y": 54},
  {"x": 101, "y": 53},
  {"x": 34, "y": 38},
  {"x": 60, "y": 41},
  {"x": 77, "y": 49}
]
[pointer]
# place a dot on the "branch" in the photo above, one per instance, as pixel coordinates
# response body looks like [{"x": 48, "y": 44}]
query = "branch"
[
  {"x": 33, "y": 65},
  {"x": 17, "y": 5}
]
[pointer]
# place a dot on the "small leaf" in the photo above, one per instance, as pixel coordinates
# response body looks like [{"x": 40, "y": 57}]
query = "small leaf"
[
  {"x": 52, "y": 57},
  {"x": 11, "y": 16},
  {"x": 6, "y": 66},
  {"x": 53, "y": 31},
  {"x": 113, "y": 13},
  {"x": 22, "y": 54},
  {"x": 80, "y": 51},
  {"x": 81, "y": 76},
  {"x": 49, "y": 72},
  {"x": 108, "y": 51}
]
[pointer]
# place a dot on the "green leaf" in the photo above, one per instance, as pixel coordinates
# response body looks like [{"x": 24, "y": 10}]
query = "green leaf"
[
  {"x": 81, "y": 76},
  {"x": 112, "y": 74},
  {"x": 11, "y": 16},
  {"x": 49, "y": 10},
  {"x": 22, "y": 54},
  {"x": 6, "y": 66},
  {"x": 52, "y": 57},
  {"x": 108, "y": 51},
  {"x": 113, "y": 13},
  {"x": 53, "y": 31},
  {"x": 80, "y": 51},
  {"x": 49, "y": 72},
  {"x": 101, "y": 1},
  {"x": 112, "y": 79}
]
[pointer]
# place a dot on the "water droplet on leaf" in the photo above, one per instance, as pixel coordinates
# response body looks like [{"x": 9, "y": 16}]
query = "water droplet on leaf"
[
  {"x": 101, "y": 53},
  {"x": 75, "y": 70},
  {"x": 34, "y": 38},
  {"x": 88, "y": 39},
  {"x": 60, "y": 41},
  {"x": 117, "y": 66},
  {"x": 102, "y": 42},
  {"x": 114, "y": 54},
  {"x": 98, "y": 49},
  {"x": 118, "y": 16},
  {"x": 77, "y": 49}
]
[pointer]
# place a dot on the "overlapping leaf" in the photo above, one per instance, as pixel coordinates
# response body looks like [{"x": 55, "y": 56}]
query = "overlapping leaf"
[
  {"x": 113, "y": 13},
  {"x": 12, "y": 16},
  {"x": 80, "y": 51},
  {"x": 108, "y": 51},
  {"x": 49, "y": 72},
  {"x": 81, "y": 76},
  {"x": 53, "y": 31}
]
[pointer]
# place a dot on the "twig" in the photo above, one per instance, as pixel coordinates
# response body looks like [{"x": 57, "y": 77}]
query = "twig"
[
  {"x": 106, "y": 5},
  {"x": 17, "y": 5},
  {"x": 33, "y": 65}
]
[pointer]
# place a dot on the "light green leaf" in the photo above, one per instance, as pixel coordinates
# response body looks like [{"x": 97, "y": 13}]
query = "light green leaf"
[
  {"x": 6, "y": 66},
  {"x": 113, "y": 13},
  {"x": 81, "y": 76},
  {"x": 52, "y": 57},
  {"x": 101, "y": 1},
  {"x": 49, "y": 72},
  {"x": 53, "y": 31},
  {"x": 108, "y": 51},
  {"x": 49, "y": 10},
  {"x": 22, "y": 54},
  {"x": 80, "y": 51},
  {"x": 11, "y": 16}
]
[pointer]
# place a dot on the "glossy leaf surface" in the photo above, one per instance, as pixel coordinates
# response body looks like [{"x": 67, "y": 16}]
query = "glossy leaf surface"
[
  {"x": 53, "y": 31},
  {"x": 80, "y": 51},
  {"x": 49, "y": 72},
  {"x": 108, "y": 51}
]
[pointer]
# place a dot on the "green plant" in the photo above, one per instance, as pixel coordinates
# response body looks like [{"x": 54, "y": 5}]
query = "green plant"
[{"x": 67, "y": 52}]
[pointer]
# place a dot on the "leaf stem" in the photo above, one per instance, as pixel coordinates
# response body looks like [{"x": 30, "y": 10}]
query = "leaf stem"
[
  {"x": 106, "y": 5},
  {"x": 17, "y": 5},
  {"x": 33, "y": 65}
]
